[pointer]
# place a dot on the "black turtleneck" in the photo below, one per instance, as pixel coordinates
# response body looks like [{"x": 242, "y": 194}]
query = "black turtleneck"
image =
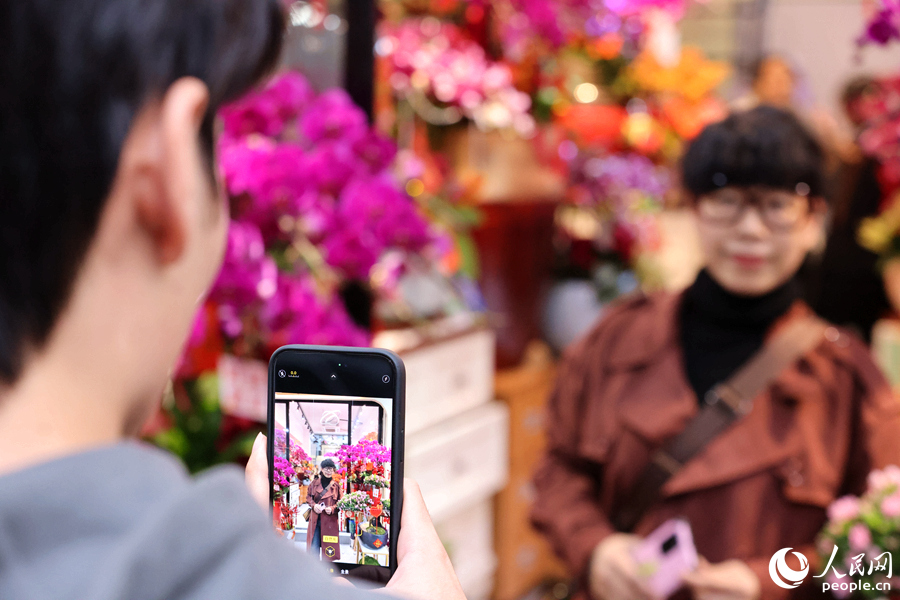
[
  {"x": 326, "y": 481},
  {"x": 720, "y": 331}
]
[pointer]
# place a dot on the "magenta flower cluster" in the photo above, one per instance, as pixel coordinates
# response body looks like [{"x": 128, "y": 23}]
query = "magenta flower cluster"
[
  {"x": 283, "y": 472},
  {"x": 883, "y": 26},
  {"x": 302, "y": 164},
  {"x": 313, "y": 204},
  {"x": 363, "y": 452}
]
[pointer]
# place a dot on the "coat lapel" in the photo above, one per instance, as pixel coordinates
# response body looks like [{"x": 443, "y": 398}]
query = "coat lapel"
[{"x": 659, "y": 404}]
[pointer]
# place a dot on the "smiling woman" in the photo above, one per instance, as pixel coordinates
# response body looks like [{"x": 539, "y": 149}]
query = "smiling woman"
[{"x": 658, "y": 372}]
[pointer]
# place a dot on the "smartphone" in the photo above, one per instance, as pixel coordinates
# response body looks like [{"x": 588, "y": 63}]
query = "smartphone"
[
  {"x": 335, "y": 448},
  {"x": 665, "y": 555}
]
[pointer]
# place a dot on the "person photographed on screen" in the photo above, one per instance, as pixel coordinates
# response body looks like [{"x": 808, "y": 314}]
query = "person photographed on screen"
[
  {"x": 112, "y": 228},
  {"x": 634, "y": 382},
  {"x": 323, "y": 495}
]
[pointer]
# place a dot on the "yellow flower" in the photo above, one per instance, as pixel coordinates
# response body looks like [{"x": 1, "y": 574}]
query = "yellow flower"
[{"x": 876, "y": 233}]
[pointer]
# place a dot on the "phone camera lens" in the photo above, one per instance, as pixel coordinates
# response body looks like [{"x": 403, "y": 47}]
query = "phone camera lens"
[
  {"x": 282, "y": 373},
  {"x": 386, "y": 379}
]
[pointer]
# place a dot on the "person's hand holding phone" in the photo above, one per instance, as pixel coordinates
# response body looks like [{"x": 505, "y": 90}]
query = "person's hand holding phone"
[
  {"x": 319, "y": 508},
  {"x": 613, "y": 570},
  {"x": 729, "y": 580},
  {"x": 424, "y": 571}
]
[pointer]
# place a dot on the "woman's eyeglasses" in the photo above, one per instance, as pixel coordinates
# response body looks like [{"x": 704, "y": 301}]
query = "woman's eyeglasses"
[{"x": 779, "y": 209}]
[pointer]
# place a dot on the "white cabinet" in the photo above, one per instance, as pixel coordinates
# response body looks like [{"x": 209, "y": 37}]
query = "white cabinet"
[
  {"x": 447, "y": 378},
  {"x": 457, "y": 441},
  {"x": 468, "y": 537},
  {"x": 462, "y": 461}
]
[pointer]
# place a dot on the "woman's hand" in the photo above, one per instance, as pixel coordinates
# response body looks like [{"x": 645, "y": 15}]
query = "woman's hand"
[
  {"x": 319, "y": 508},
  {"x": 613, "y": 571},
  {"x": 729, "y": 580},
  {"x": 329, "y": 510}
]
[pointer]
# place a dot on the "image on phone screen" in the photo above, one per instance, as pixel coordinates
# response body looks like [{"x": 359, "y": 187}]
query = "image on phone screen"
[{"x": 332, "y": 463}]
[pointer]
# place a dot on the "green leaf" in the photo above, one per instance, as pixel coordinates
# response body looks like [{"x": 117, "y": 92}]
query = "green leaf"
[{"x": 468, "y": 252}]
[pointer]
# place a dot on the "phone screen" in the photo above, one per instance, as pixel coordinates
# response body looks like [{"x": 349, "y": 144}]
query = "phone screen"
[{"x": 335, "y": 421}]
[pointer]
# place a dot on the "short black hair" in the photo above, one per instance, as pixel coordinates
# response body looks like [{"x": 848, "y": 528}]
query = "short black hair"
[
  {"x": 763, "y": 146},
  {"x": 74, "y": 76}
]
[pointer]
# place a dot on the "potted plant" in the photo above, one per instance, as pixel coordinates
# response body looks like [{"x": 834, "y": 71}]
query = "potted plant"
[
  {"x": 282, "y": 475},
  {"x": 374, "y": 537}
]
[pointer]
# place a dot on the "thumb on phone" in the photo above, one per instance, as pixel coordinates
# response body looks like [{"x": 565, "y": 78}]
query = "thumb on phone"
[{"x": 257, "y": 472}]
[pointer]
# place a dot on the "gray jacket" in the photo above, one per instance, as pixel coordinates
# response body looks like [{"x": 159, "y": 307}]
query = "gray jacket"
[{"x": 126, "y": 522}]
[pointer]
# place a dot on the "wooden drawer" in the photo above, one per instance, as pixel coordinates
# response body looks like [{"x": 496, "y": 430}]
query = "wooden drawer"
[
  {"x": 524, "y": 558},
  {"x": 461, "y": 461},
  {"x": 448, "y": 378},
  {"x": 468, "y": 537}
]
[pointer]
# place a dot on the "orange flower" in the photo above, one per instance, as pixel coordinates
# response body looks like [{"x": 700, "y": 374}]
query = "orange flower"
[
  {"x": 689, "y": 118},
  {"x": 606, "y": 47},
  {"x": 594, "y": 124},
  {"x": 693, "y": 77}
]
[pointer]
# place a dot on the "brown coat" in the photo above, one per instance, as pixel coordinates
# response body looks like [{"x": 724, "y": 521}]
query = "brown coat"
[
  {"x": 762, "y": 485},
  {"x": 330, "y": 524}
]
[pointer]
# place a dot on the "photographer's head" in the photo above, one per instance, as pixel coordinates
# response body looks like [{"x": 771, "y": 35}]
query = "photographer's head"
[
  {"x": 755, "y": 180},
  {"x": 112, "y": 224}
]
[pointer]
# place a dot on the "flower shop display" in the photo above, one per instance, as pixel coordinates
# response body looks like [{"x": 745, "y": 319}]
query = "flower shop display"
[
  {"x": 365, "y": 466},
  {"x": 283, "y": 513},
  {"x": 446, "y": 77},
  {"x": 304, "y": 466},
  {"x": 621, "y": 144},
  {"x": 880, "y": 136},
  {"x": 862, "y": 535},
  {"x": 359, "y": 507},
  {"x": 317, "y": 211},
  {"x": 880, "y": 140},
  {"x": 614, "y": 97},
  {"x": 610, "y": 227},
  {"x": 283, "y": 474}
]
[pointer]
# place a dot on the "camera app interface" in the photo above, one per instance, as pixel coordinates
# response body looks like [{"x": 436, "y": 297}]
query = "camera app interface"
[{"x": 332, "y": 476}]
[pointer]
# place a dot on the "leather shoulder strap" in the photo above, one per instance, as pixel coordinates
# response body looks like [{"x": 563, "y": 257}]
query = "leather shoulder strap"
[{"x": 724, "y": 404}]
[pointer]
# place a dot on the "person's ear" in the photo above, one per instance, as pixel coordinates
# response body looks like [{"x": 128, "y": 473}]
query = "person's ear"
[{"x": 173, "y": 202}]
